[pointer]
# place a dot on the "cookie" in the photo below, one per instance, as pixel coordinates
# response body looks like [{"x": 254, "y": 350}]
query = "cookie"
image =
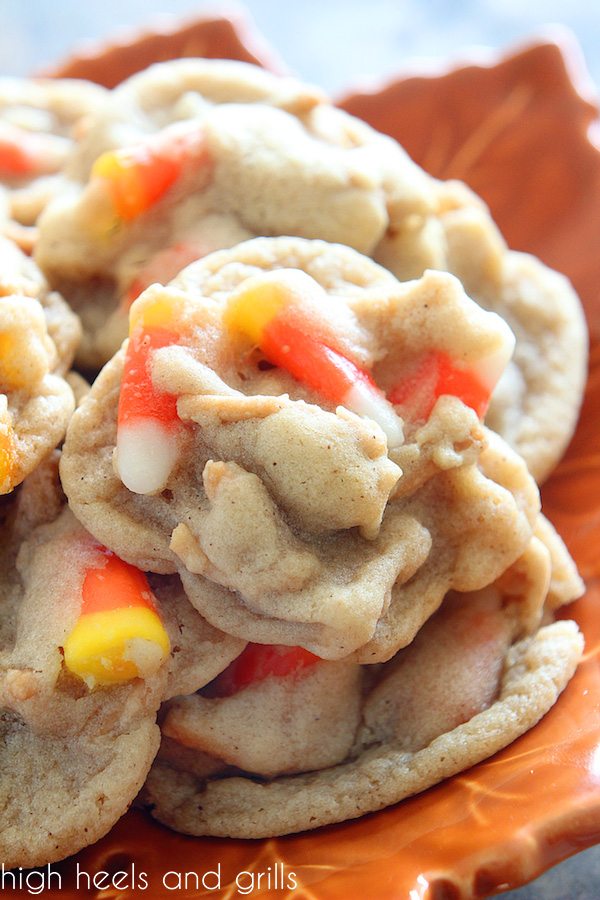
[
  {"x": 35, "y": 403},
  {"x": 460, "y": 692},
  {"x": 38, "y": 338},
  {"x": 20, "y": 277},
  {"x": 225, "y": 151},
  {"x": 536, "y": 404},
  {"x": 250, "y": 720},
  {"x": 292, "y": 519},
  {"x": 39, "y": 122},
  {"x": 230, "y": 152},
  {"x": 75, "y": 750}
]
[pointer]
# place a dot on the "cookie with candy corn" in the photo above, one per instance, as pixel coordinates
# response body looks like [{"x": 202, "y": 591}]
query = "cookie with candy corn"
[
  {"x": 243, "y": 718},
  {"x": 40, "y": 119},
  {"x": 88, "y": 650},
  {"x": 299, "y": 435},
  {"x": 536, "y": 403},
  {"x": 38, "y": 337},
  {"x": 20, "y": 277},
  {"x": 195, "y": 155},
  {"x": 467, "y": 686},
  {"x": 35, "y": 403}
]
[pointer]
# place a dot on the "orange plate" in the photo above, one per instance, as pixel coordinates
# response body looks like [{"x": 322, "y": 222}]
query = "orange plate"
[{"x": 520, "y": 130}]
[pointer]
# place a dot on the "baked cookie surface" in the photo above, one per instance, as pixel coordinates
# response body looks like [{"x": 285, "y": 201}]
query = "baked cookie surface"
[
  {"x": 76, "y": 743},
  {"x": 194, "y": 155},
  {"x": 224, "y": 152},
  {"x": 536, "y": 404},
  {"x": 292, "y": 519},
  {"x": 35, "y": 402},
  {"x": 463, "y": 689},
  {"x": 40, "y": 119}
]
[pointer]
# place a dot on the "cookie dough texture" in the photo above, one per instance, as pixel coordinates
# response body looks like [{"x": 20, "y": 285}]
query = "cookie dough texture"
[
  {"x": 355, "y": 562},
  {"x": 281, "y": 160},
  {"x": 289, "y": 724},
  {"x": 72, "y": 760},
  {"x": 461, "y": 691}
]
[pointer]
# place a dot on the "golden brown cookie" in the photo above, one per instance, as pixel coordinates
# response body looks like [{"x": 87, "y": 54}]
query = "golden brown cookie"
[
  {"x": 35, "y": 403},
  {"x": 20, "y": 277}
]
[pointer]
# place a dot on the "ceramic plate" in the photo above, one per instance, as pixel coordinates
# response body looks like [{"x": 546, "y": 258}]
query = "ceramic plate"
[{"x": 520, "y": 130}]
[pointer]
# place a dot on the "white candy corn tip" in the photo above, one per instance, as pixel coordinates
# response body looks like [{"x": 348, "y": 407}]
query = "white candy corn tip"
[
  {"x": 364, "y": 401},
  {"x": 146, "y": 455},
  {"x": 490, "y": 368}
]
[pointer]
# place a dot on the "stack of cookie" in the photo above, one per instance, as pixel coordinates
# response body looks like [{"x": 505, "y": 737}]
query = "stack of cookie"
[{"x": 289, "y": 528}]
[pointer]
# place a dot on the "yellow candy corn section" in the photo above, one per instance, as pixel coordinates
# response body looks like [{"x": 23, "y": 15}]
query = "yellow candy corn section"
[
  {"x": 107, "y": 165},
  {"x": 250, "y": 310},
  {"x": 13, "y": 375},
  {"x": 116, "y": 646},
  {"x": 156, "y": 308}
]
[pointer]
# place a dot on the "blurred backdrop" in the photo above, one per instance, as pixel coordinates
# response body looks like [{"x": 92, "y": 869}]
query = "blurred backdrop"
[{"x": 330, "y": 42}]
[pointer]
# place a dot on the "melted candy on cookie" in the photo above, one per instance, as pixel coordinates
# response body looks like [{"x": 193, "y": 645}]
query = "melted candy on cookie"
[
  {"x": 24, "y": 154},
  {"x": 163, "y": 266},
  {"x": 260, "y": 661},
  {"x": 437, "y": 374},
  {"x": 267, "y": 310},
  {"x": 137, "y": 177},
  {"x": 119, "y": 634}
]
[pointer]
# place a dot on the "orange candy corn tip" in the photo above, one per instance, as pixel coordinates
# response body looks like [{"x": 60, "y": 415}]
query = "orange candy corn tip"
[
  {"x": 119, "y": 635},
  {"x": 258, "y": 662},
  {"x": 280, "y": 312}
]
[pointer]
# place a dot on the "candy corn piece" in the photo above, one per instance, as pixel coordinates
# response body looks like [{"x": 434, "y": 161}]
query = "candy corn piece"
[
  {"x": 163, "y": 267},
  {"x": 260, "y": 661},
  {"x": 7, "y": 457},
  {"x": 119, "y": 635},
  {"x": 138, "y": 176},
  {"x": 437, "y": 374},
  {"x": 148, "y": 427},
  {"x": 268, "y": 310},
  {"x": 26, "y": 153}
]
